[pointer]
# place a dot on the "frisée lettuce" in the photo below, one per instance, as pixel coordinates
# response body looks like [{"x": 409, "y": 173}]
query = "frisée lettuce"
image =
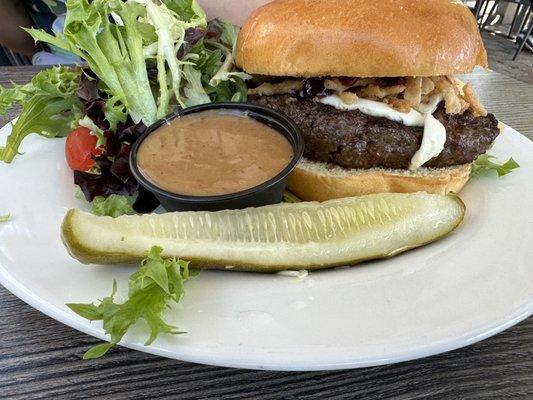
[
  {"x": 118, "y": 38},
  {"x": 113, "y": 205},
  {"x": 485, "y": 164},
  {"x": 50, "y": 107},
  {"x": 151, "y": 289},
  {"x": 144, "y": 59}
]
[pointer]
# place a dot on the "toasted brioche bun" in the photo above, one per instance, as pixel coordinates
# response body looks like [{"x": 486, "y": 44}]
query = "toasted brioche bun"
[
  {"x": 360, "y": 38},
  {"x": 319, "y": 181}
]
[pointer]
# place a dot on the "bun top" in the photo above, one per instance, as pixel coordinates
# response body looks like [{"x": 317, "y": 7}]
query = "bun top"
[{"x": 360, "y": 38}]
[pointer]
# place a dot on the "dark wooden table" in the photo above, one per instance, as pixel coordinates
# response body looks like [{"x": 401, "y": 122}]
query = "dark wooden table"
[{"x": 41, "y": 358}]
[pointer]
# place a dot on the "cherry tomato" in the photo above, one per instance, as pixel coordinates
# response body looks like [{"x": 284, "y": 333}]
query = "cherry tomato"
[{"x": 80, "y": 149}]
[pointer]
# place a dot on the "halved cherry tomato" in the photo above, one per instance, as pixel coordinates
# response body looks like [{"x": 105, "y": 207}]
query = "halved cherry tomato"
[{"x": 80, "y": 149}]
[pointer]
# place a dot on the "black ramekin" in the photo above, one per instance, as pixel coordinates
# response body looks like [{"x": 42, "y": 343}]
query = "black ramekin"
[{"x": 269, "y": 192}]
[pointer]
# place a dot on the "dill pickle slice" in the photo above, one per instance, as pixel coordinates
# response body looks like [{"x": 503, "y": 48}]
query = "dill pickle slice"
[{"x": 307, "y": 235}]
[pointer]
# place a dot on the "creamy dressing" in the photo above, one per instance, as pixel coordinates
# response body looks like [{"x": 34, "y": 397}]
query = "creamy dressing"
[
  {"x": 212, "y": 153},
  {"x": 434, "y": 136}
]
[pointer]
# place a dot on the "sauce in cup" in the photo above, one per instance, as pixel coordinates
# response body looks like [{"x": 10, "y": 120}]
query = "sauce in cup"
[{"x": 213, "y": 152}]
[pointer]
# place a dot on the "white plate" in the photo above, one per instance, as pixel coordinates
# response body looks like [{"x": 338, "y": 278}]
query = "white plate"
[{"x": 476, "y": 282}]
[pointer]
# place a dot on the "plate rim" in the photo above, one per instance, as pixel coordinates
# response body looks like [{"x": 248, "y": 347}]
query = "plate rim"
[{"x": 435, "y": 348}]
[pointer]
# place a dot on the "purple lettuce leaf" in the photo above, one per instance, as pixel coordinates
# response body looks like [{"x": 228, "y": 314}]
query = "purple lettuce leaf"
[
  {"x": 192, "y": 36},
  {"x": 146, "y": 202}
]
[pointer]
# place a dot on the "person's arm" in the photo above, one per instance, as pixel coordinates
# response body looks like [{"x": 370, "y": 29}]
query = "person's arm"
[{"x": 11, "y": 35}]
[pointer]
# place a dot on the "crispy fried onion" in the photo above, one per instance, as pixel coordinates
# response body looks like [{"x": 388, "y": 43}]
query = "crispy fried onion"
[
  {"x": 375, "y": 92},
  {"x": 270, "y": 89},
  {"x": 449, "y": 88},
  {"x": 401, "y": 93},
  {"x": 471, "y": 98},
  {"x": 348, "y": 97},
  {"x": 413, "y": 91},
  {"x": 336, "y": 85},
  {"x": 400, "y": 105},
  {"x": 427, "y": 85}
]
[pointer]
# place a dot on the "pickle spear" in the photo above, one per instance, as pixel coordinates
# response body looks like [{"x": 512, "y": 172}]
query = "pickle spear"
[{"x": 307, "y": 235}]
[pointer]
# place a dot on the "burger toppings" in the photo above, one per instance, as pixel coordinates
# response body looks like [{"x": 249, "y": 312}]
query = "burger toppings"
[
  {"x": 401, "y": 93},
  {"x": 357, "y": 140},
  {"x": 375, "y": 109},
  {"x": 474, "y": 102},
  {"x": 408, "y": 101},
  {"x": 269, "y": 89},
  {"x": 433, "y": 140}
]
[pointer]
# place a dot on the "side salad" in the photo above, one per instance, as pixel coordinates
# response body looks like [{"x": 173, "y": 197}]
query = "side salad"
[{"x": 142, "y": 59}]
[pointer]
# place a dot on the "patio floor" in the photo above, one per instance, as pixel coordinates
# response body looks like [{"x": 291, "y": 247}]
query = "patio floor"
[{"x": 501, "y": 51}]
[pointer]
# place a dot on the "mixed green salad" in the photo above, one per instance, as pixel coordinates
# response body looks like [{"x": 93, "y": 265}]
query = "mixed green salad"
[{"x": 142, "y": 59}]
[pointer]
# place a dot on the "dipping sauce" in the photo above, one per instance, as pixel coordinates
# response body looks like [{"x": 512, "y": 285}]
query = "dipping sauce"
[{"x": 212, "y": 153}]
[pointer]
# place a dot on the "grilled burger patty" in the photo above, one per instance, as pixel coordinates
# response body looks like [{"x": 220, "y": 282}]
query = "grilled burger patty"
[{"x": 356, "y": 140}]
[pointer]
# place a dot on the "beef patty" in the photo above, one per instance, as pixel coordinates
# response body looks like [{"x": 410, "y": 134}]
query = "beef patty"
[{"x": 356, "y": 140}]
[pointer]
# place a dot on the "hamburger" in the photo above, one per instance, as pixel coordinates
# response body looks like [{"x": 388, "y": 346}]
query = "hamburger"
[{"x": 372, "y": 87}]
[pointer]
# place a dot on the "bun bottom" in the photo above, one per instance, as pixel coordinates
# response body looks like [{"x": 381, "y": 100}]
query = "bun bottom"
[{"x": 320, "y": 181}]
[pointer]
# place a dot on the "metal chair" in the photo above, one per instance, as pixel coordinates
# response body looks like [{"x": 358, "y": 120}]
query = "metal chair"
[
  {"x": 8, "y": 57},
  {"x": 517, "y": 12},
  {"x": 527, "y": 31},
  {"x": 522, "y": 6},
  {"x": 480, "y": 9}
]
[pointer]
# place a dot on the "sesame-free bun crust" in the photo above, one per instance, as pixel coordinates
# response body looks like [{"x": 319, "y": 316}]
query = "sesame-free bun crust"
[
  {"x": 360, "y": 38},
  {"x": 319, "y": 181}
]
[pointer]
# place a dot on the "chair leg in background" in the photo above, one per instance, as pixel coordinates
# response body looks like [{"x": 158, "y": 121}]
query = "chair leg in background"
[
  {"x": 516, "y": 13},
  {"x": 482, "y": 9},
  {"x": 524, "y": 39},
  {"x": 524, "y": 22},
  {"x": 492, "y": 9}
]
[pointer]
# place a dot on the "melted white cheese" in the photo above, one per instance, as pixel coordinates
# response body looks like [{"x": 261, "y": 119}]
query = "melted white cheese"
[
  {"x": 375, "y": 109},
  {"x": 432, "y": 142},
  {"x": 434, "y": 135}
]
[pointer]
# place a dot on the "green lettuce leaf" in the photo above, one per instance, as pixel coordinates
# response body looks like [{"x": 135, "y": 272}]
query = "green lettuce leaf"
[
  {"x": 225, "y": 73},
  {"x": 483, "y": 164},
  {"x": 112, "y": 206},
  {"x": 186, "y": 9},
  {"x": 49, "y": 107},
  {"x": 170, "y": 30},
  {"x": 115, "y": 112},
  {"x": 14, "y": 95},
  {"x": 5, "y": 218},
  {"x": 289, "y": 197},
  {"x": 214, "y": 58},
  {"x": 152, "y": 288},
  {"x": 117, "y": 38},
  {"x": 228, "y": 41},
  {"x": 106, "y": 34}
]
